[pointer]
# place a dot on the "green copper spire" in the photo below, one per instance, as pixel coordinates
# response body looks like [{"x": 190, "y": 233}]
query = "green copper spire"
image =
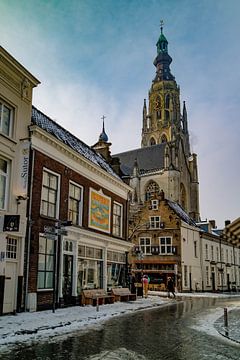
[
  {"x": 162, "y": 44},
  {"x": 163, "y": 59}
]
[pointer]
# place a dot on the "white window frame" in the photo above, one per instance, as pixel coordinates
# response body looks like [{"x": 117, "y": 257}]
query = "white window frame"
[
  {"x": 47, "y": 255},
  {"x": 56, "y": 215},
  {"x": 10, "y": 125},
  {"x": 165, "y": 245},
  {"x": 6, "y": 179},
  {"x": 117, "y": 229},
  {"x": 80, "y": 204},
  {"x": 155, "y": 222},
  {"x": 12, "y": 248},
  {"x": 145, "y": 244},
  {"x": 154, "y": 203}
]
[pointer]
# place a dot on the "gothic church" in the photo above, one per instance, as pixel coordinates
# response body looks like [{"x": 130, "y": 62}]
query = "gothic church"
[{"x": 164, "y": 161}]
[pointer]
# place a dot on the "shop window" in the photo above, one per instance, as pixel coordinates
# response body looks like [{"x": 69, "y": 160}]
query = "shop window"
[{"x": 45, "y": 263}]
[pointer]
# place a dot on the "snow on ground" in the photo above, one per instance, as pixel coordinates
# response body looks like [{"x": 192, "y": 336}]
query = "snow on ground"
[{"x": 28, "y": 328}]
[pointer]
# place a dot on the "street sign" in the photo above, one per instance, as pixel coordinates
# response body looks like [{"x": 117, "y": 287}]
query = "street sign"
[
  {"x": 49, "y": 229},
  {"x": 62, "y": 232},
  {"x": 50, "y": 236}
]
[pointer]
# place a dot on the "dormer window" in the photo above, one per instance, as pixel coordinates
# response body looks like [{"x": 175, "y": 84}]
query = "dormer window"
[{"x": 154, "y": 204}]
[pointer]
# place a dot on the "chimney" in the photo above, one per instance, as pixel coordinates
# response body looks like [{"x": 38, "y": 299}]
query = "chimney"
[
  {"x": 212, "y": 223},
  {"x": 227, "y": 222}
]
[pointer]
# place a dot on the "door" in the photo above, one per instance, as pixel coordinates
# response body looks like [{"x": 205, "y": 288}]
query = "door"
[
  {"x": 67, "y": 278},
  {"x": 213, "y": 281},
  {"x": 10, "y": 289}
]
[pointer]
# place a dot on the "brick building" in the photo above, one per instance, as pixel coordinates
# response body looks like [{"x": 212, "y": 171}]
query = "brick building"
[{"x": 70, "y": 181}]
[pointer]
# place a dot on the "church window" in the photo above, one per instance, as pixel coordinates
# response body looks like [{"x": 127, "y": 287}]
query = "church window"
[
  {"x": 167, "y": 102},
  {"x": 183, "y": 196},
  {"x": 151, "y": 189},
  {"x": 152, "y": 142},
  {"x": 163, "y": 138},
  {"x": 167, "y": 116}
]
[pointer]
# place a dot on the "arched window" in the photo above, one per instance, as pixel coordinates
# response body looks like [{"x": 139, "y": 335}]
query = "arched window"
[
  {"x": 167, "y": 101},
  {"x": 183, "y": 196},
  {"x": 163, "y": 138},
  {"x": 152, "y": 142},
  {"x": 167, "y": 115},
  {"x": 151, "y": 189}
]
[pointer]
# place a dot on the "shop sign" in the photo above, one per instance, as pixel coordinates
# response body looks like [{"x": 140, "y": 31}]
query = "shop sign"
[{"x": 11, "y": 223}]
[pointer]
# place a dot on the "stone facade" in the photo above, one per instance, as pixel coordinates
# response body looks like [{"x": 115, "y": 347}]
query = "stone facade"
[{"x": 16, "y": 85}]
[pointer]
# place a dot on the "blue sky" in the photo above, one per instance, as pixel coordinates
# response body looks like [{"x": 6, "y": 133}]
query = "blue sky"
[{"x": 96, "y": 57}]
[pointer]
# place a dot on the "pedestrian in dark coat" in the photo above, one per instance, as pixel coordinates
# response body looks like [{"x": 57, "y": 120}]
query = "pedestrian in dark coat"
[{"x": 170, "y": 287}]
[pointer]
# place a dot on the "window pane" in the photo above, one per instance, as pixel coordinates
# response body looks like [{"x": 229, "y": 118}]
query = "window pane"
[
  {"x": 53, "y": 181},
  {"x": 42, "y": 244},
  {"x": 168, "y": 240},
  {"x": 2, "y": 191},
  {"x": 3, "y": 166},
  {"x": 6, "y": 120},
  {"x": 162, "y": 241},
  {"x": 41, "y": 262},
  {"x": 49, "y": 262},
  {"x": 49, "y": 280},
  {"x": 51, "y": 210},
  {"x": 52, "y": 196},
  {"x": 41, "y": 280},
  {"x": 50, "y": 246}
]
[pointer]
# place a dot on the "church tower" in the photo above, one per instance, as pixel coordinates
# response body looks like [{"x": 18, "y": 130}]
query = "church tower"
[
  {"x": 164, "y": 161},
  {"x": 163, "y": 121}
]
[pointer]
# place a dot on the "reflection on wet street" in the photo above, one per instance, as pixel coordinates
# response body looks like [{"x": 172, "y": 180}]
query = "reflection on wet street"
[{"x": 165, "y": 333}]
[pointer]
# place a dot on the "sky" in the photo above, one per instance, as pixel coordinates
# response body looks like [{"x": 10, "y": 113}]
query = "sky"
[{"x": 95, "y": 58}]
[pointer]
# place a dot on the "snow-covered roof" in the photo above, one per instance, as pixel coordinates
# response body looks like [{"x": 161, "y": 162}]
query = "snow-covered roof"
[
  {"x": 181, "y": 213},
  {"x": 49, "y": 125}
]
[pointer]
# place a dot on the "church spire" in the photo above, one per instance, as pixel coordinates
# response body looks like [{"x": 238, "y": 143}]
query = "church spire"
[
  {"x": 103, "y": 136},
  {"x": 163, "y": 59},
  {"x": 184, "y": 119}
]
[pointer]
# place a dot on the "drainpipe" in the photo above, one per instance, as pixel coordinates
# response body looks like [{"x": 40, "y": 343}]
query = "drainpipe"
[{"x": 29, "y": 231}]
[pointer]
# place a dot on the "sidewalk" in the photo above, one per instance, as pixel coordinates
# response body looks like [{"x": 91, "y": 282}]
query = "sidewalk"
[{"x": 29, "y": 328}]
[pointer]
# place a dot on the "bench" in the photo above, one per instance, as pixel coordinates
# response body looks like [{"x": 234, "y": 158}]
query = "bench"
[
  {"x": 96, "y": 296},
  {"x": 123, "y": 294}
]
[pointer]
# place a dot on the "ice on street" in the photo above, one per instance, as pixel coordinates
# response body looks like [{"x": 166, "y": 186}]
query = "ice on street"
[{"x": 30, "y": 328}]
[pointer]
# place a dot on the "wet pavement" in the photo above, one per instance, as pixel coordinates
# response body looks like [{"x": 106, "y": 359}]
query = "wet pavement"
[{"x": 183, "y": 330}]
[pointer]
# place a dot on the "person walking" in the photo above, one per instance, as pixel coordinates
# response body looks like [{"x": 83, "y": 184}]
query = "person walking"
[
  {"x": 145, "y": 285},
  {"x": 170, "y": 287}
]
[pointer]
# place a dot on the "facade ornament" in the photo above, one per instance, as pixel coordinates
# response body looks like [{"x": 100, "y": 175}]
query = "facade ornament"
[{"x": 25, "y": 88}]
